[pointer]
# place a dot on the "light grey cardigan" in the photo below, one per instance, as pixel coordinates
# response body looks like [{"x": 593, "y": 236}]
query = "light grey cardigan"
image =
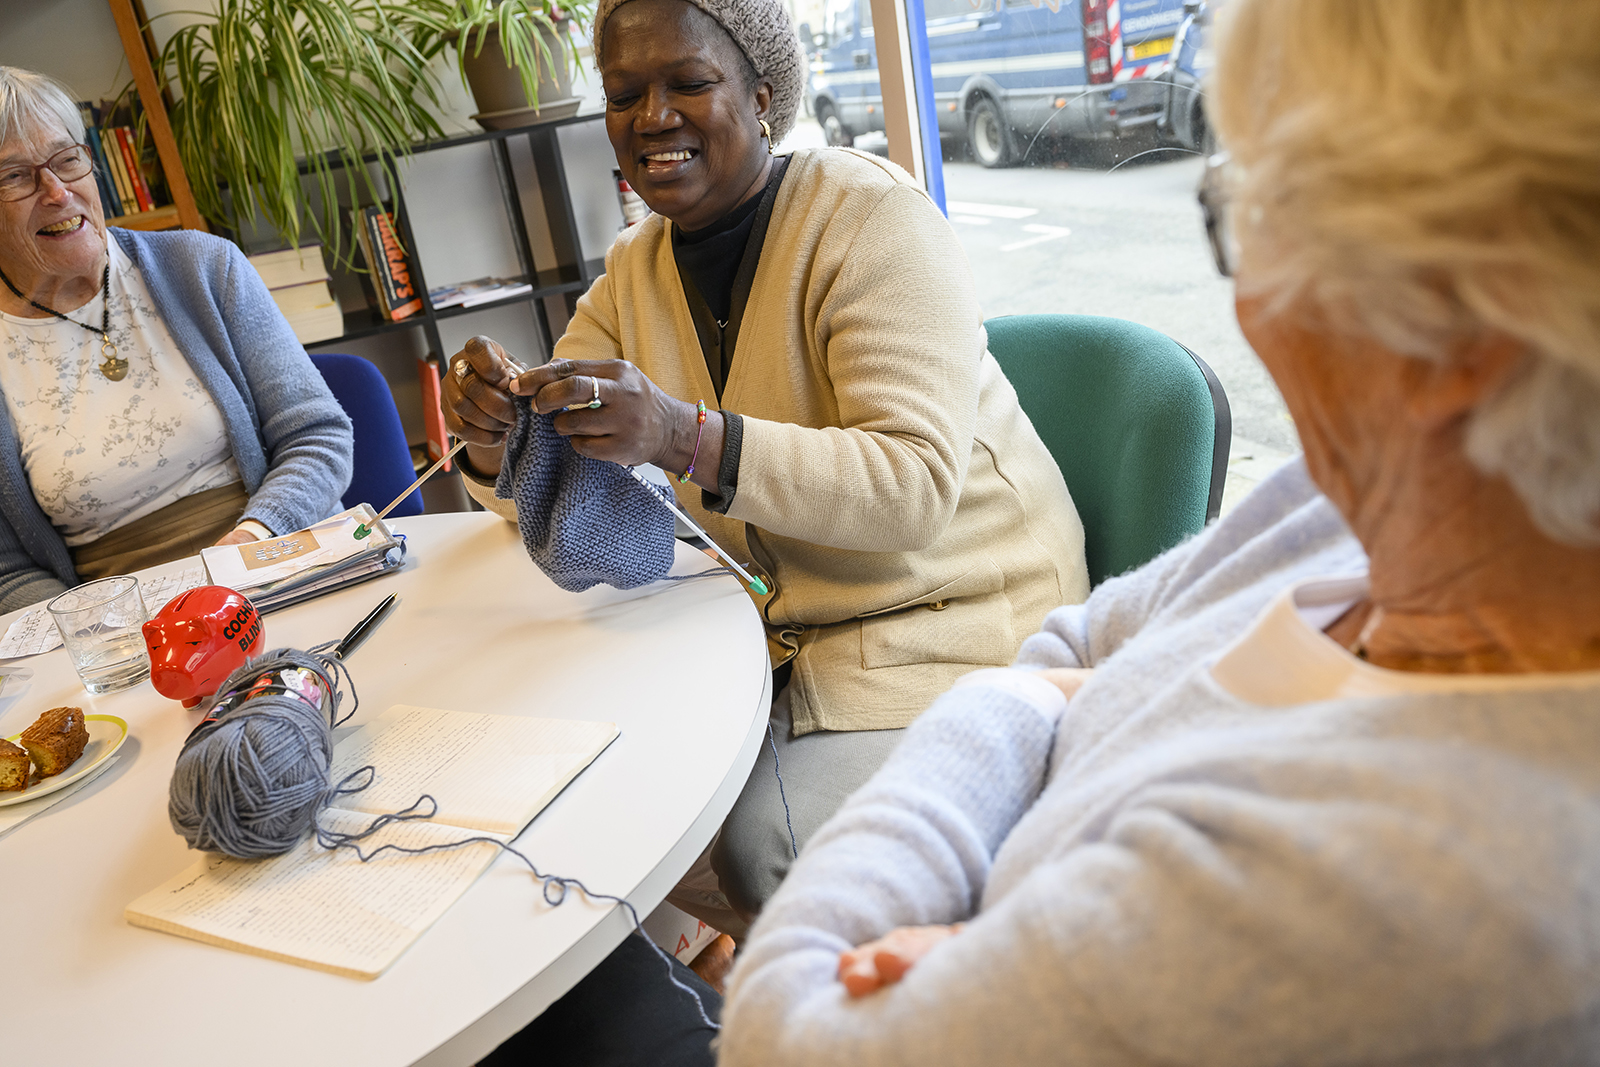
[
  {"x": 1168, "y": 875},
  {"x": 291, "y": 440}
]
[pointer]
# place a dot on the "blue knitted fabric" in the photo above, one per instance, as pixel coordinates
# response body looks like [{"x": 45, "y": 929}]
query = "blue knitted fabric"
[{"x": 584, "y": 521}]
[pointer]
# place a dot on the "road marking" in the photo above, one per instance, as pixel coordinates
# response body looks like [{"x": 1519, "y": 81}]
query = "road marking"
[
  {"x": 1047, "y": 233},
  {"x": 971, "y": 220},
  {"x": 993, "y": 211}
]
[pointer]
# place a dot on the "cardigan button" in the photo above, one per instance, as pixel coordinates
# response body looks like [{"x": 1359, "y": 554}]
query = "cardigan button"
[{"x": 938, "y": 605}]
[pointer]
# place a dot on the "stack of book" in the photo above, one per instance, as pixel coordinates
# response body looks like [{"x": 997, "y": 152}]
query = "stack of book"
[
  {"x": 120, "y": 170},
  {"x": 298, "y": 281},
  {"x": 391, "y": 271}
]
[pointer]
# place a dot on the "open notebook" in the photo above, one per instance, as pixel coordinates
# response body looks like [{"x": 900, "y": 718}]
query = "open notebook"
[{"x": 491, "y": 774}]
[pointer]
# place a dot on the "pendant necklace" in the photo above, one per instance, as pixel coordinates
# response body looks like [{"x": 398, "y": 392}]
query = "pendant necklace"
[{"x": 111, "y": 366}]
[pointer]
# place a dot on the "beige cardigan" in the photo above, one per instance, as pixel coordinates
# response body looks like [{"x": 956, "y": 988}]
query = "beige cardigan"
[{"x": 909, "y": 520}]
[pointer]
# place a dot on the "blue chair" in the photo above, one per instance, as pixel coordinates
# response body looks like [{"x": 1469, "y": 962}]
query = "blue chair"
[
  {"x": 383, "y": 458},
  {"x": 1138, "y": 424}
]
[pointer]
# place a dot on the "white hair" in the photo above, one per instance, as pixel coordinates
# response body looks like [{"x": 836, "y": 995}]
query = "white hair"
[
  {"x": 1428, "y": 173},
  {"x": 28, "y": 99}
]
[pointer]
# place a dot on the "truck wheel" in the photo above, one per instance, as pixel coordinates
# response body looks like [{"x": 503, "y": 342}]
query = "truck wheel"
[
  {"x": 989, "y": 136},
  {"x": 832, "y": 129}
]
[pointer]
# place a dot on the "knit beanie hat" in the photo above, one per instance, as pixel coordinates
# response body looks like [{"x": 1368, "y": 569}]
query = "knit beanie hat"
[{"x": 762, "y": 30}]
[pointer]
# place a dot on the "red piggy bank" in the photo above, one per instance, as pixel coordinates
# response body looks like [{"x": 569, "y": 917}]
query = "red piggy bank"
[{"x": 200, "y": 638}]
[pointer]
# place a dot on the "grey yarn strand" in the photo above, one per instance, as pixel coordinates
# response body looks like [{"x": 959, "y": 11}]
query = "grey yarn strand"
[{"x": 252, "y": 783}]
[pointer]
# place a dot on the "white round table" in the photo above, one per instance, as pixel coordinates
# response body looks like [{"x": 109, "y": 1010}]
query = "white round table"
[{"x": 681, "y": 668}]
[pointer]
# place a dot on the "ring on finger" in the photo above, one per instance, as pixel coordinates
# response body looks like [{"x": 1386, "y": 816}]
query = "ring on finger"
[
  {"x": 463, "y": 368},
  {"x": 596, "y": 383}
]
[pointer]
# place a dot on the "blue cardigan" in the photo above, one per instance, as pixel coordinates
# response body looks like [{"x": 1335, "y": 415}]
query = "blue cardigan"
[{"x": 291, "y": 440}]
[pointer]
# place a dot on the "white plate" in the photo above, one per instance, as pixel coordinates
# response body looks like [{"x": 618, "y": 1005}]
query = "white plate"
[{"x": 106, "y": 735}]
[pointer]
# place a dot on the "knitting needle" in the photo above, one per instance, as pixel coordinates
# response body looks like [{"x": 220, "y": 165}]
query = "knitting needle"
[
  {"x": 757, "y": 586},
  {"x": 364, "y": 529}
]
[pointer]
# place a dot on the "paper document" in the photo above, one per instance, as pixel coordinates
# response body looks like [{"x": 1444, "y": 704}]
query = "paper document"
[{"x": 490, "y": 774}]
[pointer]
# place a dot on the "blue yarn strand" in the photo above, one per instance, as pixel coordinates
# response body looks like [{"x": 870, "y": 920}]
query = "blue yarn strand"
[
  {"x": 777, "y": 773},
  {"x": 553, "y": 887}
]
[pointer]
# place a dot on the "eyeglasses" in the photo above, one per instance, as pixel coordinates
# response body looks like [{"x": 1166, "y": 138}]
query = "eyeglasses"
[
  {"x": 1214, "y": 203},
  {"x": 18, "y": 181}
]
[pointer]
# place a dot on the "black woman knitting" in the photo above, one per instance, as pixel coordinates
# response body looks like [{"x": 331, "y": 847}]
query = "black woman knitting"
[{"x": 859, "y": 444}]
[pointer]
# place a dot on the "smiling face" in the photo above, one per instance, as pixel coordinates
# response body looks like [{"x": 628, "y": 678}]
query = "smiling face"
[
  {"x": 682, "y": 112},
  {"x": 53, "y": 243}
]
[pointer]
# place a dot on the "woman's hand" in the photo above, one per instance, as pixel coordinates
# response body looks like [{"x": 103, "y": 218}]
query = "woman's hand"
[
  {"x": 477, "y": 404},
  {"x": 237, "y": 536},
  {"x": 635, "y": 423},
  {"x": 885, "y": 961},
  {"x": 1067, "y": 679}
]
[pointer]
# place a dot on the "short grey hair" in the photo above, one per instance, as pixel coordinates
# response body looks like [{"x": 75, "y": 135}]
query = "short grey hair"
[
  {"x": 1428, "y": 172},
  {"x": 765, "y": 34},
  {"x": 29, "y": 98}
]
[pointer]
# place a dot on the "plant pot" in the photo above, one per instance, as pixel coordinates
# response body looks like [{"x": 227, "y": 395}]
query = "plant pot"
[{"x": 497, "y": 87}]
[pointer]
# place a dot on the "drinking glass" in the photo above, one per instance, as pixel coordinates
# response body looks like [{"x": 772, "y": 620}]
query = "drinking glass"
[{"x": 100, "y": 623}]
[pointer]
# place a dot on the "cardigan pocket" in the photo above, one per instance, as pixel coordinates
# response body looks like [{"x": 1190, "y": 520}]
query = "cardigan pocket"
[{"x": 967, "y": 620}]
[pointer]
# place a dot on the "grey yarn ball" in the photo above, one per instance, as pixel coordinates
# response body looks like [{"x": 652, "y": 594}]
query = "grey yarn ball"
[
  {"x": 763, "y": 31},
  {"x": 252, "y": 784}
]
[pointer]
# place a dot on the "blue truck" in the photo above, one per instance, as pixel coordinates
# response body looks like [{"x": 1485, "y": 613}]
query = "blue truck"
[{"x": 1007, "y": 73}]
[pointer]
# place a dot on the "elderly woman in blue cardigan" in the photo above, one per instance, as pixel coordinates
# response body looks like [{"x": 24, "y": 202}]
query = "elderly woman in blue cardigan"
[{"x": 155, "y": 400}]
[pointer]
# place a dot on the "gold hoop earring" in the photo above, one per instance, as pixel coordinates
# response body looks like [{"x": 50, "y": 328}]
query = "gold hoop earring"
[{"x": 766, "y": 131}]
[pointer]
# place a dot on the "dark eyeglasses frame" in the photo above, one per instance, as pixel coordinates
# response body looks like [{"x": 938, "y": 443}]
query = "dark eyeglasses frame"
[
  {"x": 1214, "y": 205},
  {"x": 50, "y": 163}
]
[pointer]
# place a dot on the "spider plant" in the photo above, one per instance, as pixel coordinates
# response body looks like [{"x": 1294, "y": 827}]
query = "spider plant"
[
  {"x": 266, "y": 87},
  {"x": 524, "y": 28}
]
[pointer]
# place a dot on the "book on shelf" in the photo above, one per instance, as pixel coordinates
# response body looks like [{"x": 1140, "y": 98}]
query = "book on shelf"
[
  {"x": 130, "y": 159},
  {"x": 297, "y": 279},
  {"x": 490, "y": 775},
  {"x": 290, "y": 266},
  {"x": 432, "y": 411},
  {"x": 480, "y": 291},
  {"x": 391, "y": 270},
  {"x": 110, "y": 203}
]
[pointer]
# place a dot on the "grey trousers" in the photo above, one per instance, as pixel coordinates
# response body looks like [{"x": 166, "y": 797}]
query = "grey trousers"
[{"x": 739, "y": 872}]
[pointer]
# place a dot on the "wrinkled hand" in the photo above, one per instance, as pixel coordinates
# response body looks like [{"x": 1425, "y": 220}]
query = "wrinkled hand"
[
  {"x": 236, "y": 537},
  {"x": 884, "y": 962},
  {"x": 635, "y": 423},
  {"x": 478, "y": 406},
  {"x": 1067, "y": 679}
]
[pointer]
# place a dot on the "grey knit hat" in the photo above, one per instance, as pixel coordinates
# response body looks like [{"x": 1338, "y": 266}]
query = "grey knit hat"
[{"x": 763, "y": 31}]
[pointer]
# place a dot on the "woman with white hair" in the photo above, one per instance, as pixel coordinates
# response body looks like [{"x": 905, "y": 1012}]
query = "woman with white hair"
[
  {"x": 1322, "y": 785},
  {"x": 155, "y": 400}
]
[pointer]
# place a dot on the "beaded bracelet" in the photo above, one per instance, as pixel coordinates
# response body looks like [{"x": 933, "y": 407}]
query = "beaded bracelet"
[{"x": 700, "y": 428}]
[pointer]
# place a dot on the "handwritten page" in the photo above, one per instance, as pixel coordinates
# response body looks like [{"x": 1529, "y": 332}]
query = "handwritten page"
[
  {"x": 35, "y": 633},
  {"x": 317, "y": 908},
  {"x": 491, "y": 774},
  {"x": 487, "y": 772}
]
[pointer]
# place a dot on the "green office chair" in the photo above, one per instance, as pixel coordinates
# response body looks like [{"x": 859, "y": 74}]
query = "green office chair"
[{"x": 1138, "y": 424}]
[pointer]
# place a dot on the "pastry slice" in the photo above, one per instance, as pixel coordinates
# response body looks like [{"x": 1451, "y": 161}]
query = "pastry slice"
[
  {"x": 56, "y": 740},
  {"x": 13, "y": 767}
]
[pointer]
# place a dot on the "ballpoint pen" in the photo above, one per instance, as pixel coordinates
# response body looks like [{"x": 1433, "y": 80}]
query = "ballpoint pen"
[{"x": 358, "y": 633}]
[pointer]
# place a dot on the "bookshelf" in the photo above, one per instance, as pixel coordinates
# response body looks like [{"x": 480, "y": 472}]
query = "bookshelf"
[
  {"x": 137, "y": 45},
  {"x": 568, "y": 276}
]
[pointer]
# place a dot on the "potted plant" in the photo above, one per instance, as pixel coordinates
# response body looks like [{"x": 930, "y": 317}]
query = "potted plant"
[
  {"x": 516, "y": 56},
  {"x": 264, "y": 88}
]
